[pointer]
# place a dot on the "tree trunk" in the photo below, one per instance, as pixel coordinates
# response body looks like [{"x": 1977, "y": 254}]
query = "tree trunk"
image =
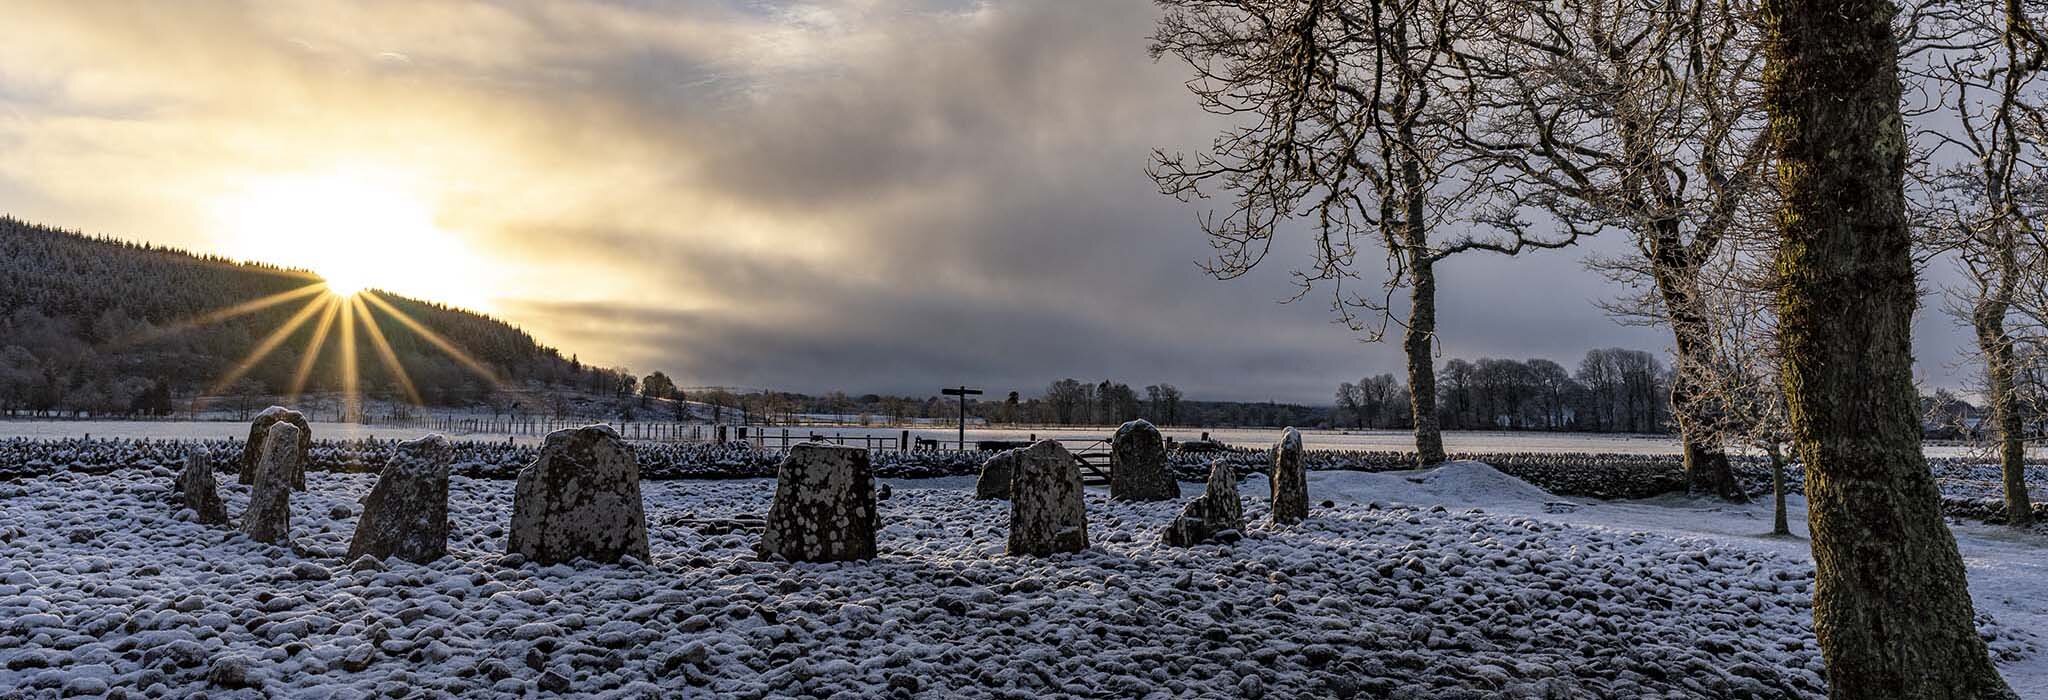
[
  {"x": 1891, "y": 605},
  {"x": 1989, "y": 319},
  {"x": 1429, "y": 436},
  {"x": 1692, "y": 406},
  {"x": 1780, "y": 524}
]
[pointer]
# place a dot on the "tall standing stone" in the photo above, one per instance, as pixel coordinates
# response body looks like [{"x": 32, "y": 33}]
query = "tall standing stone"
[
  {"x": 1290, "y": 480},
  {"x": 1137, "y": 465},
  {"x": 197, "y": 491},
  {"x": 1047, "y": 514},
  {"x": 1214, "y": 516},
  {"x": 269, "y": 518},
  {"x": 994, "y": 483},
  {"x": 406, "y": 513},
  {"x": 579, "y": 499},
  {"x": 252, "y": 450},
  {"x": 824, "y": 506}
]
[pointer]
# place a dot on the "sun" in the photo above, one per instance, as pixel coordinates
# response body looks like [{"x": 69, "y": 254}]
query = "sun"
[
  {"x": 341, "y": 284},
  {"x": 357, "y": 228}
]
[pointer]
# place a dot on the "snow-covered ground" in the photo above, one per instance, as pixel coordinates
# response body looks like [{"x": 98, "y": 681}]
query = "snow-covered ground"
[
  {"x": 1502, "y": 591},
  {"x": 209, "y": 430},
  {"x": 1391, "y": 440}
]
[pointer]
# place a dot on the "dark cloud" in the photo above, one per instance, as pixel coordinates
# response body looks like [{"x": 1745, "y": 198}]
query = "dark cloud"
[{"x": 865, "y": 196}]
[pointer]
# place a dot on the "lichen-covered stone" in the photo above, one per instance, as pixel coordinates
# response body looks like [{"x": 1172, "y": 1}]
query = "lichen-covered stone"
[
  {"x": 1137, "y": 465},
  {"x": 994, "y": 483},
  {"x": 406, "y": 514},
  {"x": 1217, "y": 515},
  {"x": 269, "y": 517},
  {"x": 824, "y": 507},
  {"x": 196, "y": 490},
  {"x": 1289, "y": 480},
  {"x": 579, "y": 499},
  {"x": 252, "y": 450},
  {"x": 1047, "y": 515}
]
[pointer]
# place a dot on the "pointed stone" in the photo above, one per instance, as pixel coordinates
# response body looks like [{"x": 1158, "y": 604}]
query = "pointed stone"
[
  {"x": 1289, "y": 480},
  {"x": 1047, "y": 514},
  {"x": 252, "y": 451},
  {"x": 269, "y": 517},
  {"x": 579, "y": 499},
  {"x": 824, "y": 506},
  {"x": 196, "y": 490},
  {"x": 1137, "y": 465},
  {"x": 1217, "y": 515},
  {"x": 996, "y": 473},
  {"x": 406, "y": 513}
]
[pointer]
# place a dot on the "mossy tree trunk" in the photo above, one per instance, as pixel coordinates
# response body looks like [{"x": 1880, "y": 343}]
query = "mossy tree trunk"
[
  {"x": 1891, "y": 607},
  {"x": 2006, "y": 422}
]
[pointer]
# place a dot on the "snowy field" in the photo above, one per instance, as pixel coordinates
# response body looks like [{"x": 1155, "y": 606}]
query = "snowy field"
[
  {"x": 207, "y": 430},
  {"x": 1476, "y": 586},
  {"x": 1454, "y": 441}
]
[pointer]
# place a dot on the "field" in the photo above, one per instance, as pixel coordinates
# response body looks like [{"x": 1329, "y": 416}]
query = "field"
[
  {"x": 1458, "y": 582},
  {"x": 1388, "y": 440}
]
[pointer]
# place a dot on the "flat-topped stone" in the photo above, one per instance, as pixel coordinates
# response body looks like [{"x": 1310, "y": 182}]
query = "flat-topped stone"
[{"x": 824, "y": 507}]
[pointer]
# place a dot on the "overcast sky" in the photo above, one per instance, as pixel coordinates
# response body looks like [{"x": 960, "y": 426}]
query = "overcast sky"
[{"x": 871, "y": 195}]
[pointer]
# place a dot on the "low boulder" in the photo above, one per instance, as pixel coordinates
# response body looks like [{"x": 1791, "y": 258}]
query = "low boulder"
[
  {"x": 994, "y": 483},
  {"x": 1217, "y": 515},
  {"x": 196, "y": 490}
]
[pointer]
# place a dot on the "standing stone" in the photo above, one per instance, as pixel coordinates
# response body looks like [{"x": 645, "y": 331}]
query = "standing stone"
[
  {"x": 269, "y": 518},
  {"x": 406, "y": 514},
  {"x": 824, "y": 506},
  {"x": 1290, "y": 481},
  {"x": 196, "y": 490},
  {"x": 579, "y": 499},
  {"x": 996, "y": 473},
  {"x": 1047, "y": 514},
  {"x": 1137, "y": 465},
  {"x": 252, "y": 450},
  {"x": 1216, "y": 515}
]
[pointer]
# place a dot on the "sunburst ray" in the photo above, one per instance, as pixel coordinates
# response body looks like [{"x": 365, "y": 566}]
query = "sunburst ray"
[
  {"x": 385, "y": 354},
  {"x": 218, "y": 315},
  {"x": 270, "y": 344},
  {"x": 434, "y": 338},
  {"x": 351, "y": 391},
  {"x": 314, "y": 346}
]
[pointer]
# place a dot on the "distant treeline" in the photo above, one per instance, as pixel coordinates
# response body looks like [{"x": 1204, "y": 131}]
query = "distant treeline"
[
  {"x": 1614, "y": 390},
  {"x": 99, "y": 326},
  {"x": 1064, "y": 402}
]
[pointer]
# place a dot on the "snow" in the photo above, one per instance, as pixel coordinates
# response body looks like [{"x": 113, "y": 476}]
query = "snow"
[
  {"x": 1466, "y": 441},
  {"x": 213, "y": 430},
  {"x": 1453, "y": 582}
]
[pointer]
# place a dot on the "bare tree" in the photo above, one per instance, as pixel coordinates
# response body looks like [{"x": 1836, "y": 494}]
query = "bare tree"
[
  {"x": 1344, "y": 119},
  {"x": 1746, "y": 377},
  {"x": 1350, "y": 403},
  {"x": 1986, "y": 185},
  {"x": 1647, "y": 118},
  {"x": 1891, "y": 605}
]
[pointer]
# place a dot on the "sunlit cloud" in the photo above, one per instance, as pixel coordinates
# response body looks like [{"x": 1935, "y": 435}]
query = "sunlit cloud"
[{"x": 796, "y": 194}]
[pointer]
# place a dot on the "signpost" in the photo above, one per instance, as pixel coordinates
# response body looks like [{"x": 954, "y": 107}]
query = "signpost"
[{"x": 963, "y": 392}]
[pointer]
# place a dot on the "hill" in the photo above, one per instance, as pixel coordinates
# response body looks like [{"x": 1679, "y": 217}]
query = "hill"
[{"x": 102, "y": 326}]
